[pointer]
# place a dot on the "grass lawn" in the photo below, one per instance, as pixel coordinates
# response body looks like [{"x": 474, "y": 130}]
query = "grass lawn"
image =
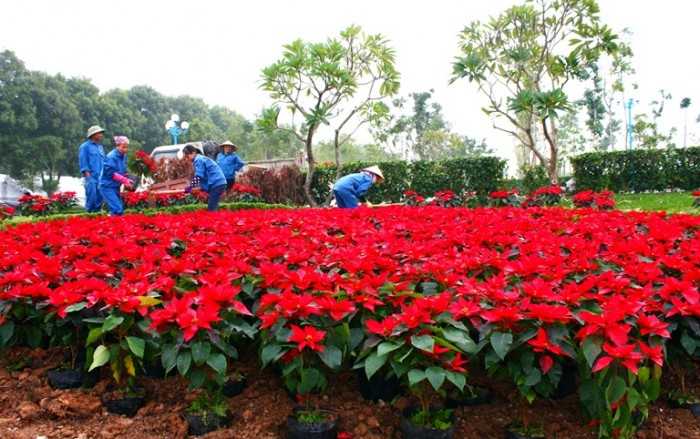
[{"x": 673, "y": 202}]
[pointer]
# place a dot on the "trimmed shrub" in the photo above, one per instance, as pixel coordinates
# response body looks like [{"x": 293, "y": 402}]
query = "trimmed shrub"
[
  {"x": 638, "y": 170},
  {"x": 481, "y": 175}
]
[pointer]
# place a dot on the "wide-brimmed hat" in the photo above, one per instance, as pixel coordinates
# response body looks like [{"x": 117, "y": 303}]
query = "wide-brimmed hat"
[
  {"x": 94, "y": 130},
  {"x": 375, "y": 170},
  {"x": 229, "y": 143}
]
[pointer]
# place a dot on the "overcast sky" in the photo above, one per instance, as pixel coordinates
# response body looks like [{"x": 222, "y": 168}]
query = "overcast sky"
[{"x": 216, "y": 49}]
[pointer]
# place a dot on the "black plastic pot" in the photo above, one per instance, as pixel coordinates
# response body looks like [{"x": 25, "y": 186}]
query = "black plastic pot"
[
  {"x": 154, "y": 370},
  {"x": 482, "y": 396},
  {"x": 233, "y": 388},
  {"x": 128, "y": 406},
  {"x": 695, "y": 410},
  {"x": 71, "y": 378},
  {"x": 567, "y": 384},
  {"x": 412, "y": 431},
  {"x": 198, "y": 425},
  {"x": 379, "y": 387},
  {"x": 318, "y": 430}
]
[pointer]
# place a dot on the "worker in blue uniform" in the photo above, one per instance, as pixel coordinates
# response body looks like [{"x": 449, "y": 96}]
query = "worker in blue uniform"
[
  {"x": 91, "y": 156},
  {"x": 351, "y": 189},
  {"x": 229, "y": 162},
  {"x": 114, "y": 175},
  {"x": 207, "y": 175}
]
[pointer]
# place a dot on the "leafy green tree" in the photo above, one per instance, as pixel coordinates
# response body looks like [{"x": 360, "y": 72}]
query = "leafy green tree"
[
  {"x": 646, "y": 129},
  {"x": 354, "y": 152},
  {"x": 424, "y": 133},
  {"x": 524, "y": 60},
  {"x": 685, "y": 103},
  {"x": 341, "y": 83},
  {"x": 17, "y": 114},
  {"x": 58, "y": 132}
]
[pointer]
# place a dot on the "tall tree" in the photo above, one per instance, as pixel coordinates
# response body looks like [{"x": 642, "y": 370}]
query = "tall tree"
[
  {"x": 647, "y": 130},
  {"x": 17, "y": 114},
  {"x": 524, "y": 60},
  {"x": 341, "y": 83},
  {"x": 419, "y": 130},
  {"x": 685, "y": 103}
]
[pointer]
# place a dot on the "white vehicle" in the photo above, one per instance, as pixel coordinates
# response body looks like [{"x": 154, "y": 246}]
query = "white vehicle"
[
  {"x": 173, "y": 151},
  {"x": 11, "y": 190}
]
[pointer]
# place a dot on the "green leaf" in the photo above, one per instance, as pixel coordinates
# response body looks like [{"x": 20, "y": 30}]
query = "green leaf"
[
  {"x": 184, "y": 360},
  {"x": 415, "y": 376},
  {"x": 501, "y": 343},
  {"x": 100, "y": 357},
  {"x": 111, "y": 322},
  {"x": 633, "y": 398},
  {"x": 169, "y": 357},
  {"x": 688, "y": 343},
  {"x": 217, "y": 362},
  {"x": 436, "y": 376},
  {"x": 76, "y": 307},
  {"x": 461, "y": 339},
  {"x": 197, "y": 378},
  {"x": 591, "y": 349},
  {"x": 200, "y": 352},
  {"x": 331, "y": 356},
  {"x": 311, "y": 379},
  {"x": 653, "y": 389},
  {"x": 423, "y": 342},
  {"x": 457, "y": 379},
  {"x": 373, "y": 363},
  {"x": 388, "y": 346},
  {"x": 136, "y": 345},
  {"x": 533, "y": 377},
  {"x": 643, "y": 374},
  {"x": 592, "y": 399},
  {"x": 93, "y": 336},
  {"x": 271, "y": 352},
  {"x": 616, "y": 389},
  {"x": 6, "y": 332}
]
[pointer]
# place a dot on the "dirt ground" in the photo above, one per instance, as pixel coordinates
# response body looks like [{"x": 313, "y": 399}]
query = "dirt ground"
[{"x": 30, "y": 409}]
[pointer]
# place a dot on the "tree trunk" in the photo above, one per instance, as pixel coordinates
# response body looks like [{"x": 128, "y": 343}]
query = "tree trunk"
[
  {"x": 311, "y": 165},
  {"x": 336, "y": 147},
  {"x": 553, "y": 164}
]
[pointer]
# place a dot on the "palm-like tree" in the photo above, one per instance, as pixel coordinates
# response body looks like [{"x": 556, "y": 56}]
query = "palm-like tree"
[{"x": 685, "y": 103}]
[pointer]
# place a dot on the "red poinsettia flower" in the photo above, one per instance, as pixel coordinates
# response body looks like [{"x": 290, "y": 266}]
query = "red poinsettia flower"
[{"x": 307, "y": 337}]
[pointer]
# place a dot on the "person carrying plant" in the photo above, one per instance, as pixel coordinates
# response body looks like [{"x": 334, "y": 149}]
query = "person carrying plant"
[
  {"x": 91, "y": 156},
  {"x": 114, "y": 176},
  {"x": 351, "y": 189},
  {"x": 207, "y": 175},
  {"x": 229, "y": 162}
]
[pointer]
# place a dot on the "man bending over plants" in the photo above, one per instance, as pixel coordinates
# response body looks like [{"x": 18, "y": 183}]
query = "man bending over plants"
[{"x": 349, "y": 190}]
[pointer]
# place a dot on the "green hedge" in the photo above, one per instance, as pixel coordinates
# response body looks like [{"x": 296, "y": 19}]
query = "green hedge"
[
  {"x": 482, "y": 175},
  {"x": 638, "y": 170}
]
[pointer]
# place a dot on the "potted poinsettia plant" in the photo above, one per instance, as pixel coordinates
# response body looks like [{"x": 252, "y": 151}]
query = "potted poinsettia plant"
[
  {"x": 535, "y": 362},
  {"x": 304, "y": 335},
  {"x": 504, "y": 197},
  {"x": 545, "y": 196},
  {"x": 427, "y": 349},
  {"x": 681, "y": 351},
  {"x": 68, "y": 328},
  {"x": 304, "y": 353},
  {"x": 198, "y": 330},
  {"x": 121, "y": 346}
]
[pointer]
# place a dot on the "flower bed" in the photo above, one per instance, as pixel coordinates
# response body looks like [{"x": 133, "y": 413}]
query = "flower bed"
[
  {"x": 59, "y": 202},
  {"x": 422, "y": 294}
]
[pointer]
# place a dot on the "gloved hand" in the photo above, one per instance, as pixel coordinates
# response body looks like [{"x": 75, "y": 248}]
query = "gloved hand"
[{"x": 123, "y": 180}]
